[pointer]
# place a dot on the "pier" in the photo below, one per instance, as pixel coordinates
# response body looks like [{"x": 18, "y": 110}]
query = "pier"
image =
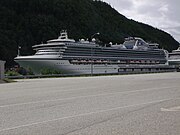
[{"x": 146, "y": 104}]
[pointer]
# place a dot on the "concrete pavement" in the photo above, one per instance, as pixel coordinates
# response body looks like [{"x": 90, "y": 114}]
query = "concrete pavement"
[{"x": 106, "y": 105}]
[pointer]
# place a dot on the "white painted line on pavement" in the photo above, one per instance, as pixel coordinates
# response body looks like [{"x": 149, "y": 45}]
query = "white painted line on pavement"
[
  {"x": 172, "y": 109},
  {"x": 78, "y": 97},
  {"x": 86, "y": 114}
]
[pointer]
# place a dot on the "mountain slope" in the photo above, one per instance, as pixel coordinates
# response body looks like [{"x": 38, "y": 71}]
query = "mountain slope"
[{"x": 29, "y": 22}]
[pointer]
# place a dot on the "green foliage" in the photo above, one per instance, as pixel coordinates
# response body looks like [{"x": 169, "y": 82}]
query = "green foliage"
[
  {"x": 30, "y": 72},
  {"x": 8, "y": 80},
  {"x": 47, "y": 71},
  {"x": 12, "y": 73},
  {"x": 28, "y": 22}
]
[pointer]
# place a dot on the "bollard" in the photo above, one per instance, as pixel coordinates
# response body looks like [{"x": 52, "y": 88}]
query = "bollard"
[{"x": 2, "y": 69}]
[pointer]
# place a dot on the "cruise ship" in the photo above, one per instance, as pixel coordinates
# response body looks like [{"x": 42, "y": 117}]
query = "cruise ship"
[
  {"x": 174, "y": 57},
  {"x": 68, "y": 56}
]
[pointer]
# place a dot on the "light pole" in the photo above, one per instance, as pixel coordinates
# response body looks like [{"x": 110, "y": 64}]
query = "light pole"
[
  {"x": 92, "y": 53},
  {"x": 19, "y": 47},
  {"x": 91, "y": 63},
  {"x": 94, "y": 35}
]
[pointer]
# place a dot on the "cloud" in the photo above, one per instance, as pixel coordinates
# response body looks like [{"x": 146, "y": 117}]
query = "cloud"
[
  {"x": 162, "y": 14},
  {"x": 124, "y": 4}
]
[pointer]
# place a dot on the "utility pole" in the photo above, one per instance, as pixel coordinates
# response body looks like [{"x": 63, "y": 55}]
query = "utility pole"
[{"x": 92, "y": 53}]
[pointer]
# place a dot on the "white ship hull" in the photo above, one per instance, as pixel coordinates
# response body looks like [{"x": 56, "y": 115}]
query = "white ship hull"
[{"x": 65, "y": 67}]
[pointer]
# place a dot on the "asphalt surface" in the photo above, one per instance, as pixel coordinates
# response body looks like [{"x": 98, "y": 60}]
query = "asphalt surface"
[{"x": 146, "y": 104}]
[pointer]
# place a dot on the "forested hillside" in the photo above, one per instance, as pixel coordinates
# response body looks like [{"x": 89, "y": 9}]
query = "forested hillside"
[{"x": 28, "y": 22}]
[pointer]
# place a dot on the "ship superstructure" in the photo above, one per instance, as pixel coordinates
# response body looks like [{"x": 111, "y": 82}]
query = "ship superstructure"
[
  {"x": 83, "y": 57},
  {"x": 174, "y": 57}
]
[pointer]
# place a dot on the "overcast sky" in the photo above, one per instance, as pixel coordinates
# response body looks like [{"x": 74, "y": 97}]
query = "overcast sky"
[{"x": 162, "y": 14}]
